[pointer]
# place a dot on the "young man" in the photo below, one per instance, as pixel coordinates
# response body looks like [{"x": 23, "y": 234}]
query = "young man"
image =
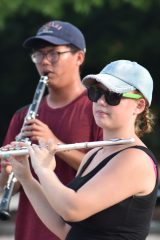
[{"x": 64, "y": 115}]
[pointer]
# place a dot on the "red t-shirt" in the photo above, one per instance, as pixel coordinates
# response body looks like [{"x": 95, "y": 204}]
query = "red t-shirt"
[{"x": 72, "y": 123}]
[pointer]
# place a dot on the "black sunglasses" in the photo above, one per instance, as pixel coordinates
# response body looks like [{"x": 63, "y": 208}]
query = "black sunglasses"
[{"x": 112, "y": 98}]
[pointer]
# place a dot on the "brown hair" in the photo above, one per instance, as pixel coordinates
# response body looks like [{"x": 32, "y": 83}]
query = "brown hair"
[{"x": 144, "y": 122}]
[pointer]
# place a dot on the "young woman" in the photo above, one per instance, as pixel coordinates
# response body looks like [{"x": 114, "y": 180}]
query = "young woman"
[{"x": 114, "y": 192}]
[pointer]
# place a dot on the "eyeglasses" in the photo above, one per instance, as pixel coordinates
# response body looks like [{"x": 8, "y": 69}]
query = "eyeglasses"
[
  {"x": 112, "y": 98},
  {"x": 52, "y": 56}
]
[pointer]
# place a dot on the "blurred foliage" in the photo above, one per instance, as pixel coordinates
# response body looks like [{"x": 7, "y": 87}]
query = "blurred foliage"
[
  {"x": 44, "y": 7},
  {"x": 114, "y": 29},
  {"x": 49, "y": 8}
]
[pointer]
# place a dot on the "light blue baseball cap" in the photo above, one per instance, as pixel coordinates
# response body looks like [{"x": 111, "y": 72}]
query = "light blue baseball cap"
[{"x": 123, "y": 76}]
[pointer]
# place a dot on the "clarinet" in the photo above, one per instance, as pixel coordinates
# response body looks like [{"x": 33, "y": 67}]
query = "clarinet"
[{"x": 31, "y": 114}]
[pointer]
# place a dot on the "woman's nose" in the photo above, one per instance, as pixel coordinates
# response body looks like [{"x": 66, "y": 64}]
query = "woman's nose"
[{"x": 102, "y": 101}]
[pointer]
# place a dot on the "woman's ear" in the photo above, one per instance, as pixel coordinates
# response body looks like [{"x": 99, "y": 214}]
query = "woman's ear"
[{"x": 141, "y": 104}]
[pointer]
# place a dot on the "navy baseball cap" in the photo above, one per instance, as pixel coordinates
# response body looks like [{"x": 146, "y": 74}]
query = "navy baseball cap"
[{"x": 57, "y": 33}]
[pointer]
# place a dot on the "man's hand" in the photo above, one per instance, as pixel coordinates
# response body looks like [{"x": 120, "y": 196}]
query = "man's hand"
[{"x": 36, "y": 130}]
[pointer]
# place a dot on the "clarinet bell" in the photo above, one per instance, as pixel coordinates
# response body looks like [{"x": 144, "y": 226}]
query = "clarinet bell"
[{"x": 4, "y": 215}]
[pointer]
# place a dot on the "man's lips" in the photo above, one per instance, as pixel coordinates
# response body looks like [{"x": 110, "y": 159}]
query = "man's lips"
[{"x": 47, "y": 71}]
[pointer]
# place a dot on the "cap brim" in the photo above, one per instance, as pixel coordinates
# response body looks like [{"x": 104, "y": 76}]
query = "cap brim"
[
  {"x": 32, "y": 41},
  {"x": 112, "y": 83}
]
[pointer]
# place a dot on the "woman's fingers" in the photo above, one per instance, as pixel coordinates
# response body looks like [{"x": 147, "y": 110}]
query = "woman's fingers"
[{"x": 8, "y": 169}]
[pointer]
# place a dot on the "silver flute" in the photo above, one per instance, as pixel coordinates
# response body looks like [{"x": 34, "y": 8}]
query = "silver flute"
[
  {"x": 31, "y": 114},
  {"x": 19, "y": 151}
]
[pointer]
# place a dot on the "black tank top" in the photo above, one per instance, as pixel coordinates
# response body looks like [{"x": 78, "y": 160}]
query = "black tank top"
[{"x": 127, "y": 220}]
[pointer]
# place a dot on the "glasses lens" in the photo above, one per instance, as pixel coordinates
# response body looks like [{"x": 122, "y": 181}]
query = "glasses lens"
[
  {"x": 37, "y": 57},
  {"x": 112, "y": 98},
  {"x": 53, "y": 56}
]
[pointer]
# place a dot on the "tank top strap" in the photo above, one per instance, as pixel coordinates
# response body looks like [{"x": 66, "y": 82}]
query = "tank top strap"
[
  {"x": 147, "y": 151},
  {"x": 153, "y": 159},
  {"x": 107, "y": 159},
  {"x": 91, "y": 158},
  {"x": 87, "y": 162}
]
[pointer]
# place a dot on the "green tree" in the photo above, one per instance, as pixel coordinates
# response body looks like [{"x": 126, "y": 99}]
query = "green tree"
[{"x": 49, "y": 8}]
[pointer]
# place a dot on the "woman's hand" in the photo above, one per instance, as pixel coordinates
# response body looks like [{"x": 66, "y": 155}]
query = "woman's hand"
[
  {"x": 5, "y": 165},
  {"x": 21, "y": 167},
  {"x": 18, "y": 164},
  {"x": 5, "y": 160},
  {"x": 42, "y": 155}
]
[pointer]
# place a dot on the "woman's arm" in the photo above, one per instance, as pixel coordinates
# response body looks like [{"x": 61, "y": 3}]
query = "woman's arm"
[
  {"x": 129, "y": 173},
  {"x": 36, "y": 196}
]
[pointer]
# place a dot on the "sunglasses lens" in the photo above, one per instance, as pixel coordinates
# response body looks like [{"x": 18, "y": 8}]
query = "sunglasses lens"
[
  {"x": 94, "y": 93},
  {"x": 112, "y": 98}
]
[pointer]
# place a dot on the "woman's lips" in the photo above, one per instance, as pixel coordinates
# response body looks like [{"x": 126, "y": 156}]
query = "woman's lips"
[{"x": 101, "y": 112}]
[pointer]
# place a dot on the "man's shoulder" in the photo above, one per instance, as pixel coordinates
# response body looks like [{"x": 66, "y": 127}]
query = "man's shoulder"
[{"x": 22, "y": 109}]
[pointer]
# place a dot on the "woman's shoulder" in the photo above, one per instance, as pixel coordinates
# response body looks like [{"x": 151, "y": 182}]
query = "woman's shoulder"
[{"x": 137, "y": 158}]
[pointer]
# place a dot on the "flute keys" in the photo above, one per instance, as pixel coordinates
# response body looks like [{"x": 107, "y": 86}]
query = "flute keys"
[{"x": 7, "y": 152}]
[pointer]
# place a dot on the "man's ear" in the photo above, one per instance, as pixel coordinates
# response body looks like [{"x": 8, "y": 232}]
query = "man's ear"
[{"x": 80, "y": 57}]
